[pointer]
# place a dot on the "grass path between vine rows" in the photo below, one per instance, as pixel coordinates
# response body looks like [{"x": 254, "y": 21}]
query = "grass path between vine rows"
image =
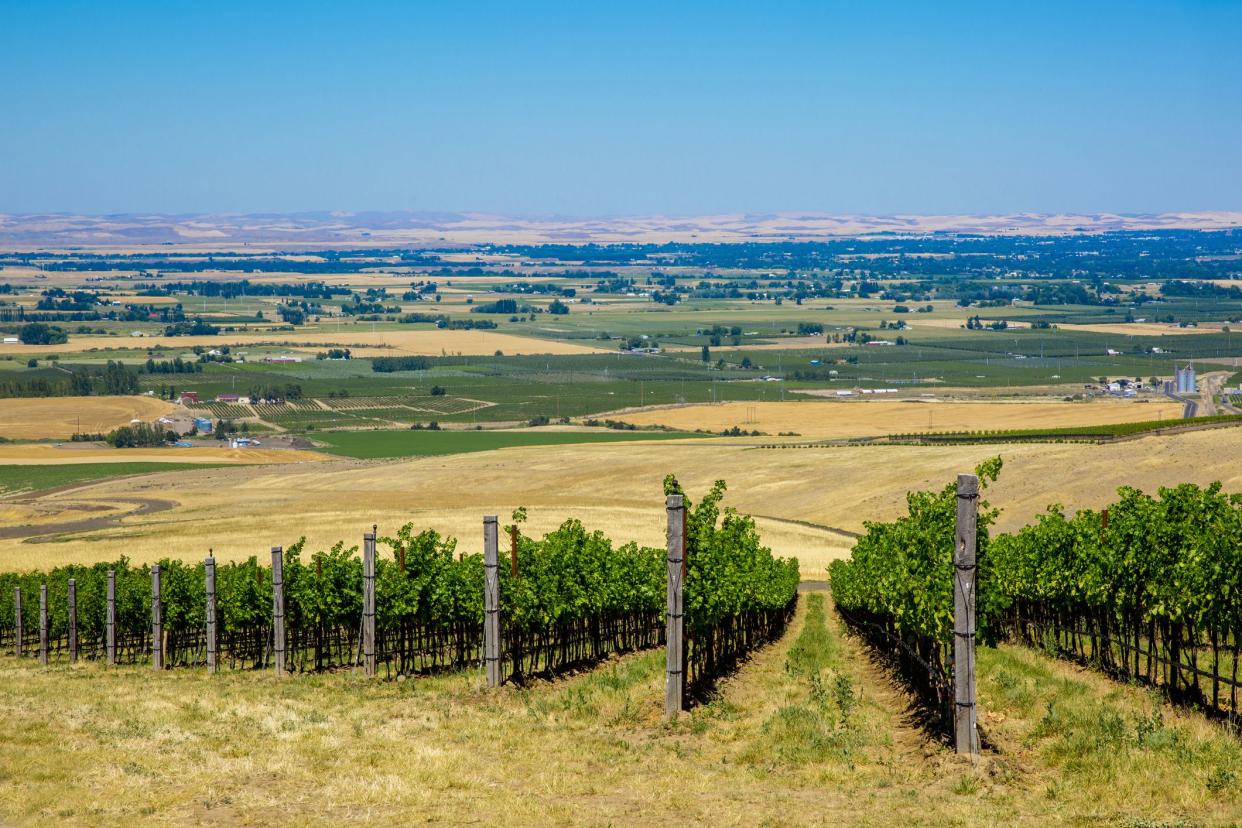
[{"x": 808, "y": 732}]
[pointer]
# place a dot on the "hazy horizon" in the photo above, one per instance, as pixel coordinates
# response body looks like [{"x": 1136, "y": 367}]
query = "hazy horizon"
[{"x": 554, "y": 109}]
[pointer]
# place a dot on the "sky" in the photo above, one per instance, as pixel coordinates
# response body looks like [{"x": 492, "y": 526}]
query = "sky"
[{"x": 620, "y": 108}]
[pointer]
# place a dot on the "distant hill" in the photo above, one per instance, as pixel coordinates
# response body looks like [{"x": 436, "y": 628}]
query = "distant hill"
[{"x": 367, "y": 229}]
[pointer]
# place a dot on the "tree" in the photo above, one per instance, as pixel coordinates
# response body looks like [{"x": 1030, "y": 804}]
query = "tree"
[
  {"x": 558, "y": 308},
  {"x": 39, "y": 333},
  {"x": 707, "y": 355}
]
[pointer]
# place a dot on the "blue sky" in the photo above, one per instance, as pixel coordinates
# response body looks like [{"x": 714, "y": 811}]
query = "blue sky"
[{"x": 612, "y": 108}]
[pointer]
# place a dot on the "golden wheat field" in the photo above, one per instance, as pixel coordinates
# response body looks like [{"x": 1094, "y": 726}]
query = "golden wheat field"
[
  {"x": 37, "y": 418},
  {"x": 839, "y": 419},
  {"x": 806, "y": 500},
  {"x": 363, "y": 341}
]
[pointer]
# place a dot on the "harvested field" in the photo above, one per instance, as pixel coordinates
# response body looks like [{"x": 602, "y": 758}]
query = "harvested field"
[
  {"x": 59, "y": 417},
  {"x": 801, "y": 497},
  {"x": 363, "y": 342},
  {"x": 840, "y": 419},
  {"x": 94, "y": 453}
]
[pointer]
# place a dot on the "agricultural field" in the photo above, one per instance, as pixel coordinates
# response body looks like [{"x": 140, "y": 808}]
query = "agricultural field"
[
  {"x": 536, "y": 363},
  {"x": 877, "y": 418},
  {"x": 36, "y": 477},
  {"x": 808, "y": 502},
  {"x": 60, "y": 417},
  {"x": 810, "y": 728},
  {"x": 373, "y": 444}
]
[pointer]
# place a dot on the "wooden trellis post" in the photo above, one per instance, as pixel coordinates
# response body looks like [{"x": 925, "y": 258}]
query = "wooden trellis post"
[
  {"x": 43, "y": 624},
  {"x": 73, "y": 620},
  {"x": 966, "y": 732},
  {"x": 278, "y": 607},
  {"x": 368, "y": 603},
  {"x": 17, "y": 621},
  {"x": 110, "y": 621},
  {"x": 491, "y": 601},
  {"x": 157, "y": 621},
  {"x": 209, "y": 574},
  {"x": 675, "y": 678}
]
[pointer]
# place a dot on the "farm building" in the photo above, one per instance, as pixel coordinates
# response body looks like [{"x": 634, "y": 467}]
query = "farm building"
[
  {"x": 203, "y": 424},
  {"x": 188, "y": 397},
  {"x": 228, "y": 398},
  {"x": 281, "y": 360},
  {"x": 11, "y": 340}
]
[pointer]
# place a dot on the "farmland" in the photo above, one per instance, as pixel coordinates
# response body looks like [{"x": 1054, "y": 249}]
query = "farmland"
[
  {"x": 372, "y": 444},
  {"x": 876, "y": 418},
  {"x": 59, "y": 417},
  {"x": 185, "y": 746},
  {"x": 557, "y": 384}
]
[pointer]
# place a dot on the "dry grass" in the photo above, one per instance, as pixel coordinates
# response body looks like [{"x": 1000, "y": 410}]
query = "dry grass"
[
  {"x": 876, "y": 418},
  {"x": 797, "y": 494},
  {"x": 808, "y": 733},
  {"x": 59, "y": 417},
  {"x": 361, "y": 339}
]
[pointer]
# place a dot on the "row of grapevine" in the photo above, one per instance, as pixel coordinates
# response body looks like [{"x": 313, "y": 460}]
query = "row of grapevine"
[
  {"x": 897, "y": 589},
  {"x": 738, "y": 595},
  {"x": 567, "y": 598},
  {"x": 1148, "y": 589},
  {"x": 577, "y": 598}
]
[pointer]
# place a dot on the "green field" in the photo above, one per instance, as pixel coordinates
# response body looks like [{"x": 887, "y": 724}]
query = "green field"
[
  {"x": 372, "y": 444},
  {"x": 16, "y": 478}
]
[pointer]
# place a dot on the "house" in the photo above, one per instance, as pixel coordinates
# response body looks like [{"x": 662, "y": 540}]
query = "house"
[
  {"x": 188, "y": 397},
  {"x": 228, "y": 398}
]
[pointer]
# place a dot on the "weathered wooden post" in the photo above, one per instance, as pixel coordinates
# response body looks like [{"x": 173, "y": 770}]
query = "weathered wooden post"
[
  {"x": 157, "y": 621},
  {"x": 278, "y": 608},
  {"x": 209, "y": 574},
  {"x": 43, "y": 624},
  {"x": 675, "y": 678},
  {"x": 110, "y": 622},
  {"x": 966, "y": 733},
  {"x": 491, "y": 601},
  {"x": 17, "y": 621},
  {"x": 368, "y": 603},
  {"x": 73, "y": 620}
]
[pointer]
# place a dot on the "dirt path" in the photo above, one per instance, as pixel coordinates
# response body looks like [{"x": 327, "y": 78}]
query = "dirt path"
[
  {"x": 909, "y": 738},
  {"x": 44, "y": 532},
  {"x": 1209, "y": 387}
]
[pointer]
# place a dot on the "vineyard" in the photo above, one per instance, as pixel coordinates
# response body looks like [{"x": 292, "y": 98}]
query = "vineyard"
[
  {"x": 738, "y": 596},
  {"x": 1149, "y": 589},
  {"x": 567, "y": 599},
  {"x": 369, "y": 410}
]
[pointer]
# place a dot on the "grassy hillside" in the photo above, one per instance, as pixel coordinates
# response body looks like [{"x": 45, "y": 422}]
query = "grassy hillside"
[{"x": 808, "y": 733}]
